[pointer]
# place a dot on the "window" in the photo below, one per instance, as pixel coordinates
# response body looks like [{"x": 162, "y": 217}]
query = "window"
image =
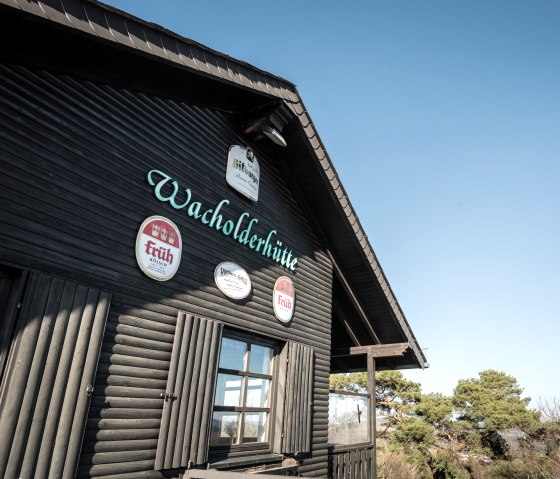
[
  {"x": 349, "y": 419},
  {"x": 243, "y": 392}
]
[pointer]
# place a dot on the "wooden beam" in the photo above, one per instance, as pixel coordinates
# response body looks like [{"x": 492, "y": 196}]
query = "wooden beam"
[
  {"x": 217, "y": 474},
  {"x": 341, "y": 317},
  {"x": 375, "y": 351},
  {"x": 352, "y": 297}
]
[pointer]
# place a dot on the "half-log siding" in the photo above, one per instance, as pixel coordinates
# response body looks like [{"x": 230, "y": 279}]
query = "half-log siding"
[{"x": 74, "y": 157}]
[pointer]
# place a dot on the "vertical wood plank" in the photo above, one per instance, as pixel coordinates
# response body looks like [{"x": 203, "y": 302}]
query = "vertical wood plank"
[
  {"x": 171, "y": 382},
  {"x": 279, "y": 417},
  {"x": 201, "y": 403},
  {"x": 187, "y": 354},
  {"x": 298, "y": 397},
  {"x": 11, "y": 289},
  {"x": 188, "y": 402},
  {"x": 210, "y": 392},
  {"x": 50, "y": 360},
  {"x": 29, "y": 400},
  {"x": 72, "y": 390},
  {"x": 43, "y": 416},
  {"x": 74, "y": 312},
  {"x": 55, "y": 407},
  {"x": 310, "y": 382},
  {"x": 87, "y": 379},
  {"x": 194, "y": 378},
  {"x": 18, "y": 368}
]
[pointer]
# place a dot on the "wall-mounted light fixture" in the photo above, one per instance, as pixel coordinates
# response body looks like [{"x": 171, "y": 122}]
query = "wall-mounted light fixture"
[
  {"x": 273, "y": 134},
  {"x": 268, "y": 122}
]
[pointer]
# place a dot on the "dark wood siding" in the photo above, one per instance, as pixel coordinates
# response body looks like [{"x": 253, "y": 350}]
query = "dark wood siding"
[
  {"x": 74, "y": 157},
  {"x": 126, "y": 407}
]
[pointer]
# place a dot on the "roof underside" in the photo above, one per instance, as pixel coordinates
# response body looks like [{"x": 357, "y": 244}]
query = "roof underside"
[{"x": 93, "y": 41}]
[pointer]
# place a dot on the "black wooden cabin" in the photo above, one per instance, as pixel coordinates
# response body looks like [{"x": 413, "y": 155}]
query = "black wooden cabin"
[{"x": 107, "y": 372}]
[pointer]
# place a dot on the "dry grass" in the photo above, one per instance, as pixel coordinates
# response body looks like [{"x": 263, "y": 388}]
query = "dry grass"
[{"x": 393, "y": 465}]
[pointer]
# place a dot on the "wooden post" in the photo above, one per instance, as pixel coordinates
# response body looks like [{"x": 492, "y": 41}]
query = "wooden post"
[{"x": 372, "y": 407}]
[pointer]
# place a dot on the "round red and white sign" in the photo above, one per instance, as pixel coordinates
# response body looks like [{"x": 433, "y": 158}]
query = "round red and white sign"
[
  {"x": 159, "y": 248},
  {"x": 284, "y": 299},
  {"x": 232, "y": 280}
]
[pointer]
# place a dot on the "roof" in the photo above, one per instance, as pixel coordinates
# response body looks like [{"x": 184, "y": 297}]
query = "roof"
[{"x": 121, "y": 37}]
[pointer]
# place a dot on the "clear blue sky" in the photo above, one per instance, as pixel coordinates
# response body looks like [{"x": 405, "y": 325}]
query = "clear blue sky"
[{"x": 443, "y": 120}]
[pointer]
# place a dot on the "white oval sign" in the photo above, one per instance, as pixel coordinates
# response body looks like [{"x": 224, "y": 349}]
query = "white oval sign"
[
  {"x": 284, "y": 299},
  {"x": 159, "y": 248},
  {"x": 232, "y": 280},
  {"x": 243, "y": 171}
]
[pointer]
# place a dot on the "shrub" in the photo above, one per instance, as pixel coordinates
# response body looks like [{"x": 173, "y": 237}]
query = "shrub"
[{"x": 394, "y": 465}]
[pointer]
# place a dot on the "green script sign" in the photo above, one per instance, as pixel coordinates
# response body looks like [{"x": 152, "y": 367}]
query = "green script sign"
[{"x": 239, "y": 229}]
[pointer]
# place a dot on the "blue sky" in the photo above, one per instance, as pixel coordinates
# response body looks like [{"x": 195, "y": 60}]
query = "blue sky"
[{"x": 443, "y": 121}]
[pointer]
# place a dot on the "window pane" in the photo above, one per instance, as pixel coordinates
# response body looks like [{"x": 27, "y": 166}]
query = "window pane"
[
  {"x": 224, "y": 428},
  {"x": 228, "y": 390},
  {"x": 348, "y": 418},
  {"x": 232, "y": 355},
  {"x": 257, "y": 392},
  {"x": 260, "y": 359},
  {"x": 255, "y": 427}
]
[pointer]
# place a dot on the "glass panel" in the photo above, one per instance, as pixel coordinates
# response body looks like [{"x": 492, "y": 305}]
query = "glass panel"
[
  {"x": 257, "y": 392},
  {"x": 232, "y": 355},
  {"x": 348, "y": 418},
  {"x": 260, "y": 359},
  {"x": 255, "y": 427},
  {"x": 228, "y": 390},
  {"x": 224, "y": 428}
]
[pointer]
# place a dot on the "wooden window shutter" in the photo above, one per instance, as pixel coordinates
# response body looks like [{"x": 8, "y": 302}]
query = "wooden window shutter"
[
  {"x": 295, "y": 400},
  {"x": 189, "y": 399},
  {"x": 44, "y": 395},
  {"x": 11, "y": 289}
]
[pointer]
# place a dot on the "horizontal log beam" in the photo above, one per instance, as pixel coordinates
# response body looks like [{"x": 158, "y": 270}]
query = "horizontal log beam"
[
  {"x": 375, "y": 351},
  {"x": 215, "y": 474}
]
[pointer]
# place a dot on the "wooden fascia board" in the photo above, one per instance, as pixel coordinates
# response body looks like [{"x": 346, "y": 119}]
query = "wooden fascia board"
[{"x": 374, "y": 351}]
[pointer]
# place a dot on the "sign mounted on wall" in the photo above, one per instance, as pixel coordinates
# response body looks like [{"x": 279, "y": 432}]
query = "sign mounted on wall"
[
  {"x": 243, "y": 171},
  {"x": 232, "y": 280},
  {"x": 284, "y": 299},
  {"x": 159, "y": 248},
  {"x": 241, "y": 228}
]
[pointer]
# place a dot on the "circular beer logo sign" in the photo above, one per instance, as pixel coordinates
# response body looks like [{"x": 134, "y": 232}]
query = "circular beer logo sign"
[
  {"x": 232, "y": 280},
  {"x": 284, "y": 299},
  {"x": 159, "y": 248}
]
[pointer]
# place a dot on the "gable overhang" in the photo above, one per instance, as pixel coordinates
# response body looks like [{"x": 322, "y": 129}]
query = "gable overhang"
[{"x": 96, "y": 42}]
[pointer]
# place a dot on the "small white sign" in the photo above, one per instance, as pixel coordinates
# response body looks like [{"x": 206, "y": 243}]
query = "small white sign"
[
  {"x": 284, "y": 299},
  {"x": 159, "y": 248},
  {"x": 243, "y": 171},
  {"x": 232, "y": 280}
]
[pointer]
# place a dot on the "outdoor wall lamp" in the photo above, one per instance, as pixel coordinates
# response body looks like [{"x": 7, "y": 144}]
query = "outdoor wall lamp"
[
  {"x": 274, "y": 135},
  {"x": 268, "y": 122}
]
